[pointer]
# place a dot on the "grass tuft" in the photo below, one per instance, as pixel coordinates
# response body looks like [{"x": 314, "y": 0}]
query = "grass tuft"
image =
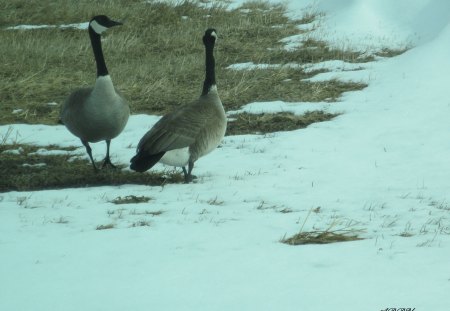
[
  {"x": 105, "y": 227},
  {"x": 248, "y": 123},
  {"x": 322, "y": 237},
  {"x": 140, "y": 223},
  {"x": 329, "y": 235},
  {"x": 146, "y": 212},
  {"x": 131, "y": 199}
]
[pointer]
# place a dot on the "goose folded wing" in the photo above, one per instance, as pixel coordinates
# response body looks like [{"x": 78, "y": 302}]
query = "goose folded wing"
[{"x": 173, "y": 131}]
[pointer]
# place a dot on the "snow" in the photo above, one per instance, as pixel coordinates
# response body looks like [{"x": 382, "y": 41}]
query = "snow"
[
  {"x": 334, "y": 69},
  {"x": 371, "y": 25},
  {"x": 280, "y": 106},
  {"x": 252, "y": 66},
  {"x": 81, "y": 26},
  {"x": 382, "y": 166}
]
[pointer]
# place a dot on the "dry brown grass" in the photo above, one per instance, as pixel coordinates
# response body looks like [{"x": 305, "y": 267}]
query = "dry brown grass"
[
  {"x": 30, "y": 171},
  {"x": 321, "y": 237},
  {"x": 247, "y": 123},
  {"x": 338, "y": 231},
  {"x": 131, "y": 199},
  {"x": 155, "y": 59}
]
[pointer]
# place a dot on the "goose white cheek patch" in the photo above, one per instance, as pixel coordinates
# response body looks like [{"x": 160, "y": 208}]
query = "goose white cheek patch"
[
  {"x": 214, "y": 35},
  {"x": 97, "y": 27}
]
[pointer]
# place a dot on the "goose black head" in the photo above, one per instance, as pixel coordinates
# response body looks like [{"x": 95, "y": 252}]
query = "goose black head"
[
  {"x": 210, "y": 37},
  {"x": 100, "y": 23}
]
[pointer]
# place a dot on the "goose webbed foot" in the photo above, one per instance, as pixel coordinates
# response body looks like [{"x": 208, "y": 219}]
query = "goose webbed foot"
[
  {"x": 188, "y": 177},
  {"x": 107, "y": 163}
]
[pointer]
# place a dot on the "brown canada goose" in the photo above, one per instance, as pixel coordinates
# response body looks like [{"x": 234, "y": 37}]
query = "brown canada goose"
[
  {"x": 96, "y": 113},
  {"x": 183, "y": 136}
]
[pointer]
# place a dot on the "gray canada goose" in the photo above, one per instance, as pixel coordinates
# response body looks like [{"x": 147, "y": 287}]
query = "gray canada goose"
[
  {"x": 183, "y": 136},
  {"x": 96, "y": 113}
]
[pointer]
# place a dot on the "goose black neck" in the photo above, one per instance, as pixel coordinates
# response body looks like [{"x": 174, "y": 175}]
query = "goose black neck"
[
  {"x": 210, "y": 77},
  {"x": 98, "y": 53}
]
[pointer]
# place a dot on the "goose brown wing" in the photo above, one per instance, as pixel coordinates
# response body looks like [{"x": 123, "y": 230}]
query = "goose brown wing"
[{"x": 175, "y": 130}]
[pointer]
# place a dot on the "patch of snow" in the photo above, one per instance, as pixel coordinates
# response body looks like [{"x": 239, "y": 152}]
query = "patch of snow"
[
  {"x": 29, "y": 27},
  {"x": 253, "y": 66},
  {"x": 34, "y": 165},
  {"x": 81, "y": 26},
  {"x": 45, "y": 152},
  {"x": 281, "y": 106},
  {"x": 334, "y": 65},
  {"x": 339, "y": 70},
  {"x": 14, "y": 151},
  {"x": 363, "y": 76},
  {"x": 307, "y": 27}
]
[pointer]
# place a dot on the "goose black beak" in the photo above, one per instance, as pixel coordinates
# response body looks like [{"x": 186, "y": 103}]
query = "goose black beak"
[{"x": 114, "y": 23}]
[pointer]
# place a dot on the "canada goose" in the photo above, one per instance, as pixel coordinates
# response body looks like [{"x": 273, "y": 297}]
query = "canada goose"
[
  {"x": 181, "y": 137},
  {"x": 96, "y": 113}
]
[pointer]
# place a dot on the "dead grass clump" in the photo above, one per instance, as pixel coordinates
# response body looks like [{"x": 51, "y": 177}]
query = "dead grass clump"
[
  {"x": 105, "y": 227},
  {"x": 322, "y": 237},
  {"x": 23, "y": 169},
  {"x": 346, "y": 233},
  {"x": 385, "y": 52},
  {"x": 131, "y": 199},
  {"x": 146, "y": 212},
  {"x": 140, "y": 223},
  {"x": 247, "y": 123}
]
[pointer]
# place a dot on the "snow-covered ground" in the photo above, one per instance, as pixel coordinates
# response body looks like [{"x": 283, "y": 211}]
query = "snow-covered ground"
[{"x": 382, "y": 166}]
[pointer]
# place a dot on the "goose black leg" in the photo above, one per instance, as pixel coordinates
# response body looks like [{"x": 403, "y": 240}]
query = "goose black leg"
[
  {"x": 185, "y": 173},
  {"x": 89, "y": 152},
  {"x": 107, "y": 160},
  {"x": 188, "y": 177}
]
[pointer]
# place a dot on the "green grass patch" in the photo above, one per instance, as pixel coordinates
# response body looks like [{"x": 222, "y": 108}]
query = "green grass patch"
[
  {"x": 248, "y": 123},
  {"x": 23, "y": 168}
]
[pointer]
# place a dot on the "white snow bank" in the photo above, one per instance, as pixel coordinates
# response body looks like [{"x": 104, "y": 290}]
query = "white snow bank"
[{"x": 371, "y": 25}]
